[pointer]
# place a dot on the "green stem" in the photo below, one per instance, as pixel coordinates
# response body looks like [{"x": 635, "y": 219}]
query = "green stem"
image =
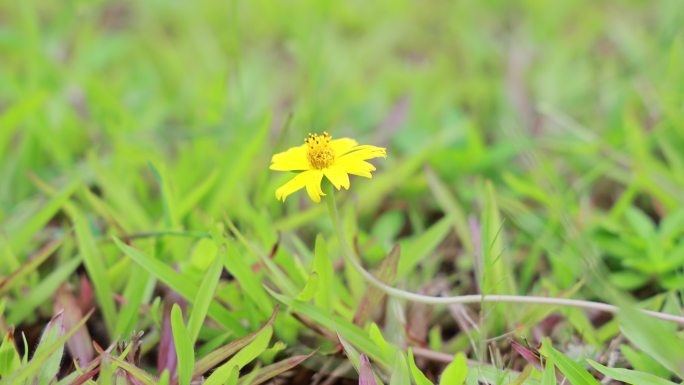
[{"x": 351, "y": 257}]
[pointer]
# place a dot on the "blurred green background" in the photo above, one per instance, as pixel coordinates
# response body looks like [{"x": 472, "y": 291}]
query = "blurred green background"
[
  {"x": 163, "y": 115},
  {"x": 569, "y": 107}
]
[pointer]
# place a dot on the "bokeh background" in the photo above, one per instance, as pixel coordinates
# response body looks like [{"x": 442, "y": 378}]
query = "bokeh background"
[{"x": 163, "y": 115}]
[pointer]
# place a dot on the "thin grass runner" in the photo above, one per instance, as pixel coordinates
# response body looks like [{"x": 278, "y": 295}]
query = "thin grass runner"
[{"x": 354, "y": 260}]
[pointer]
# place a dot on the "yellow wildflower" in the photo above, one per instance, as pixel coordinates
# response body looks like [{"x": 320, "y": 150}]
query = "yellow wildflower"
[{"x": 320, "y": 156}]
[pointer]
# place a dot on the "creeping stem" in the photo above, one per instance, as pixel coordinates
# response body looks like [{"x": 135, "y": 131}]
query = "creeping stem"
[{"x": 354, "y": 260}]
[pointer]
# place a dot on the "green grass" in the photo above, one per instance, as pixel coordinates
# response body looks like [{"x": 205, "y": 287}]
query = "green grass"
[{"x": 534, "y": 148}]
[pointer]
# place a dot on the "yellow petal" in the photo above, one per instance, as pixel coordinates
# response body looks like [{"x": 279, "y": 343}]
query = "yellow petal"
[
  {"x": 337, "y": 176},
  {"x": 292, "y": 185},
  {"x": 342, "y": 146},
  {"x": 293, "y": 159},
  {"x": 313, "y": 185},
  {"x": 363, "y": 153},
  {"x": 356, "y": 167}
]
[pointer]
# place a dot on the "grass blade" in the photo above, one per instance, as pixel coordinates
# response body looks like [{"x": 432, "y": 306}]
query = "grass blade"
[
  {"x": 95, "y": 265},
  {"x": 184, "y": 346},
  {"x": 179, "y": 284},
  {"x": 205, "y": 294}
]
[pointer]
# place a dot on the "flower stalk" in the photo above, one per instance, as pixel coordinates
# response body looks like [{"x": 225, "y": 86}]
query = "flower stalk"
[{"x": 351, "y": 257}]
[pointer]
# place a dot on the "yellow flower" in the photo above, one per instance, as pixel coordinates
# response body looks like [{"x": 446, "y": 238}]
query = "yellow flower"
[{"x": 320, "y": 156}]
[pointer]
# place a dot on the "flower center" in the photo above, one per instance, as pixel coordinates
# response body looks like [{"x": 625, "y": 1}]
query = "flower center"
[{"x": 318, "y": 151}]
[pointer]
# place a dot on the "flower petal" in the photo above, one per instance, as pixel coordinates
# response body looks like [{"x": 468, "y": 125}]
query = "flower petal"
[
  {"x": 364, "y": 152},
  {"x": 294, "y": 184},
  {"x": 293, "y": 159},
  {"x": 313, "y": 185},
  {"x": 337, "y": 176},
  {"x": 342, "y": 146},
  {"x": 356, "y": 167}
]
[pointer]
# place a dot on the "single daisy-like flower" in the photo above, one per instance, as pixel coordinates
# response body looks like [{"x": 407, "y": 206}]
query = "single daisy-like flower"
[{"x": 320, "y": 156}]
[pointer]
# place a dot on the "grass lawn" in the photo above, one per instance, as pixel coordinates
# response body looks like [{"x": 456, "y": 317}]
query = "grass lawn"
[{"x": 498, "y": 197}]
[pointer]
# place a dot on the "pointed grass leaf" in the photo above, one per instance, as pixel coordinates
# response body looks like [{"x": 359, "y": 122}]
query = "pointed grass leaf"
[
  {"x": 139, "y": 374},
  {"x": 243, "y": 357},
  {"x": 496, "y": 269},
  {"x": 249, "y": 281},
  {"x": 205, "y": 295},
  {"x": 171, "y": 218},
  {"x": 268, "y": 372},
  {"x": 95, "y": 265},
  {"x": 44, "y": 358},
  {"x": 309, "y": 289},
  {"x": 456, "y": 372},
  {"x": 418, "y": 376},
  {"x": 9, "y": 356},
  {"x": 366, "y": 375},
  {"x": 549, "y": 376},
  {"x": 180, "y": 285},
  {"x": 185, "y": 350},
  {"x": 632, "y": 377},
  {"x": 653, "y": 337},
  {"x": 106, "y": 371},
  {"x": 573, "y": 371},
  {"x": 219, "y": 355},
  {"x": 350, "y": 332},
  {"x": 400, "y": 371}
]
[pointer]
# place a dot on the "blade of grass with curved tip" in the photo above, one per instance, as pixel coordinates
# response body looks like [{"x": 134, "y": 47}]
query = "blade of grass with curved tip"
[
  {"x": 632, "y": 377},
  {"x": 268, "y": 372},
  {"x": 184, "y": 347},
  {"x": 179, "y": 284},
  {"x": 217, "y": 356}
]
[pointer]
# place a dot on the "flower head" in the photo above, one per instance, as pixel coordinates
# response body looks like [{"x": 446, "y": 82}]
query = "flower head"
[{"x": 319, "y": 156}]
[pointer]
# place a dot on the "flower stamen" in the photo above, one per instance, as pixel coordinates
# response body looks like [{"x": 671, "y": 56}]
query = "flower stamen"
[{"x": 319, "y": 153}]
